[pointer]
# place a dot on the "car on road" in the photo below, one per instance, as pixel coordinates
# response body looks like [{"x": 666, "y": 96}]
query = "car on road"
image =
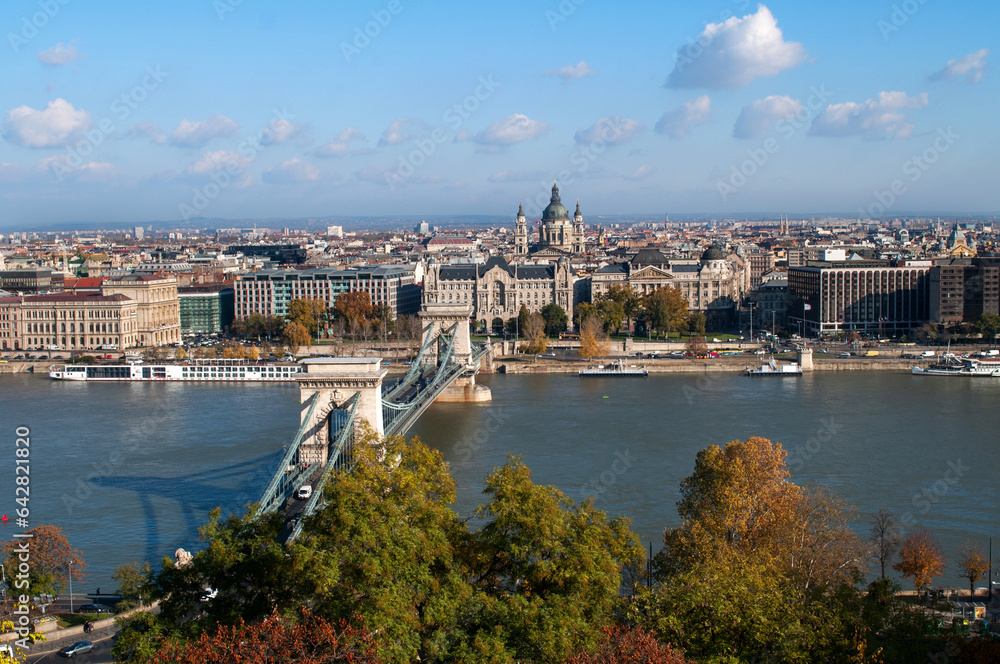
[
  {"x": 845, "y": 356},
  {"x": 305, "y": 492},
  {"x": 78, "y": 648},
  {"x": 92, "y": 608}
]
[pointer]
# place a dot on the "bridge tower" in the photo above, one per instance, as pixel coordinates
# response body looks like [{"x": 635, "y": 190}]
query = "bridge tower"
[
  {"x": 335, "y": 380},
  {"x": 441, "y": 321}
]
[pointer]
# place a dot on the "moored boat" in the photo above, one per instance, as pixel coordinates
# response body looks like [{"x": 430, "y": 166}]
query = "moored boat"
[
  {"x": 617, "y": 368},
  {"x": 772, "y": 368},
  {"x": 189, "y": 370}
]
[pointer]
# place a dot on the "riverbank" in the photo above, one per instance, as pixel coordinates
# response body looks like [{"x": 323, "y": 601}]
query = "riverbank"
[{"x": 738, "y": 364}]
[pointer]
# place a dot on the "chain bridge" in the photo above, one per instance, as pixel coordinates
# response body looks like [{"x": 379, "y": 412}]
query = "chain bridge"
[{"x": 338, "y": 393}]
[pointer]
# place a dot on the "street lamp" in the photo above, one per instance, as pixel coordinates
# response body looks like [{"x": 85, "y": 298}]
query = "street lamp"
[{"x": 69, "y": 573}]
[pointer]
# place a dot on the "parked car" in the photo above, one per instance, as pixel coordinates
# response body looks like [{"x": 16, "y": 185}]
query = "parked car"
[
  {"x": 78, "y": 648},
  {"x": 845, "y": 356},
  {"x": 92, "y": 608}
]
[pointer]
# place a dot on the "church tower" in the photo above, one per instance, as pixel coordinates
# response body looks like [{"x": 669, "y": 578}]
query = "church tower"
[
  {"x": 520, "y": 233},
  {"x": 578, "y": 244}
]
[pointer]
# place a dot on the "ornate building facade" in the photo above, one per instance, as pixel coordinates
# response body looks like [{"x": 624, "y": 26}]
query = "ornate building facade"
[
  {"x": 557, "y": 234},
  {"x": 497, "y": 289}
]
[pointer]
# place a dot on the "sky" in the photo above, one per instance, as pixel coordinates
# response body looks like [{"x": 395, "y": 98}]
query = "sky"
[{"x": 117, "y": 112}]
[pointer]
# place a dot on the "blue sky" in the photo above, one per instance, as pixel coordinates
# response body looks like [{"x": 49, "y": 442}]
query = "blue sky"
[{"x": 117, "y": 111}]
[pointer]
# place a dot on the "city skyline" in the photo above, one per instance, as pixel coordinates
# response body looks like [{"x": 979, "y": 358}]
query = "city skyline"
[{"x": 237, "y": 110}]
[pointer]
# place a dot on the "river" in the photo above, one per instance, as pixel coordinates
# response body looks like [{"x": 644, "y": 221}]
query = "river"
[{"x": 130, "y": 470}]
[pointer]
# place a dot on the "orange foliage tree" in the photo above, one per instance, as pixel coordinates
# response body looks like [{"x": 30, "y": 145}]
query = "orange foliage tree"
[
  {"x": 630, "y": 646},
  {"x": 275, "y": 640},
  {"x": 920, "y": 558}
]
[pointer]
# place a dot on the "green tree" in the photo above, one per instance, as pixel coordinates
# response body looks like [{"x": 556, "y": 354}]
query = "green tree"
[
  {"x": 583, "y": 311},
  {"x": 522, "y": 319},
  {"x": 696, "y": 323},
  {"x": 666, "y": 309},
  {"x": 612, "y": 314},
  {"x": 132, "y": 579},
  {"x": 256, "y": 325},
  {"x": 988, "y": 325},
  {"x": 631, "y": 302},
  {"x": 556, "y": 319},
  {"x": 382, "y": 549}
]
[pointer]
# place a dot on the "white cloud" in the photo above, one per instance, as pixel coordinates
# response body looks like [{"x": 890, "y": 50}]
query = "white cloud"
[
  {"x": 221, "y": 160},
  {"x": 757, "y": 119},
  {"x": 641, "y": 172},
  {"x": 733, "y": 53},
  {"x": 281, "y": 130},
  {"x": 397, "y": 131},
  {"x": 613, "y": 130},
  {"x": 875, "y": 118},
  {"x": 291, "y": 171},
  {"x": 146, "y": 129},
  {"x": 676, "y": 122},
  {"x": 189, "y": 134},
  {"x": 512, "y": 129},
  {"x": 569, "y": 72},
  {"x": 972, "y": 66},
  {"x": 379, "y": 175},
  {"x": 10, "y": 172},
  {"x": 60, "y": 54},
  {"x": 57, "y": 125},
  {"x": 519, "y": 175},
  {"x": 340, "y": 146},
  {"x": 92, "y": 171}
]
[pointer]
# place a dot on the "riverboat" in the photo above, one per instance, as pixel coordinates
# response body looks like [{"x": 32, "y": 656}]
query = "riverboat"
[
  {"x": 953, "y": 366},
  {"x": 201, "y": 371},
  {"x": 614, "y": 369},
  {"x": 772, "y": 368}
]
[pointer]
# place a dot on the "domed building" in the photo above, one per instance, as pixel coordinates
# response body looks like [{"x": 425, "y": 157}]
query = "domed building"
[{"x": 558, "y": 235}]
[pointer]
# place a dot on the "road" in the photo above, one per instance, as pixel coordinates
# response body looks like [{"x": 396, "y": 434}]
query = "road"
[{"x": 100, "y": 655}]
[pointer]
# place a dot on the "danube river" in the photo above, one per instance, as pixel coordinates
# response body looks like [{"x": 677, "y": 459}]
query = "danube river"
[{"x": 130, "y": 470}]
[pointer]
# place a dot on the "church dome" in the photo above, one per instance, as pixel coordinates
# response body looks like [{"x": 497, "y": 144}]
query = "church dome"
[
  {"x": 713, "y": 254},
  {"x": 555, "y": 211}
]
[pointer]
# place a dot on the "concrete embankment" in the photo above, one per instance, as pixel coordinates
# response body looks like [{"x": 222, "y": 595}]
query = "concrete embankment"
[{"x": 722, "y": 365}]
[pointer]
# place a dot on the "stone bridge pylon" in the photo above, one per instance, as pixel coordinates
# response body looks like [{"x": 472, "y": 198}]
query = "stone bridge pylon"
[{"x": 440, "y": 322}]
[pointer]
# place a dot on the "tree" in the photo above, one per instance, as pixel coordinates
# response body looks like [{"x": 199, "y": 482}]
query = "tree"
[
  {"x": 592, "y": 338},
  {"x": 255, "y": 325},
  {"x": 310, "y": 312},
  {"x": 522, "y": 319},
  {"x": 534, "y": 332},
  {"x": 556, "y": 319},
  {"x": 51, "y": 558},
  {"x": 973, "y": 565},
  {"x": 131, "y": 579},
  {"x": 382, "y": 548},
  {"x": 612, "y": 313},
  {"x": 666, "y": 309},
  {"x": 354, "y": 307},
  {"x": 920, "y": 558},
  {"x": 296, "y": 335},
  {"x": 180, "y": 354},
  {"x": 884, "y": 537},
  {"x": 988, "y": 325},
  {"x": 633, "y": 645},
  {"x": 696, "y": 346},
  {"x": 304, "y": 639},
  {"x": 696, "y": 323},
  {"x": 582, "y": 312}
]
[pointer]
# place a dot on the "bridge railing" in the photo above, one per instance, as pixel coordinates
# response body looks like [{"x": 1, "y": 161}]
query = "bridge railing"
[
  {"x": 284, "y": 481},
  {"x": 341, "y": 454},
  {"x": 415, "y": 369}
]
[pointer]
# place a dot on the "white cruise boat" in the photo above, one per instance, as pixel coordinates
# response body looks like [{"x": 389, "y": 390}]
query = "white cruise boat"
[
  {"x": 772, "y": 368},
  {"x": 952, "y": 366},
  {"x": 199, "y": 371}
]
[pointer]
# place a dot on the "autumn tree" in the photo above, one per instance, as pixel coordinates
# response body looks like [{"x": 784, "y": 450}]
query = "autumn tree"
[
  {"x": 622, "y": 645},
  {"x": 696, "y": 346},
  {"x": 354, "y": 307},
  {"x": 593, "y": 341},
  {"x": 534, "y": 332},
  {"x": 180, "y": 354},
  {"x": 884, "y": 537},
  {"x": 296, "y": 335},
  {"x": 52, "y": 559},
  {"x": 310, "y": 312},
  {"x": 973, "y": 565},
  {"x": 920, "y": 558},
  {"x": 304, "y": 639},
  {"x": 666, "y": 309}
]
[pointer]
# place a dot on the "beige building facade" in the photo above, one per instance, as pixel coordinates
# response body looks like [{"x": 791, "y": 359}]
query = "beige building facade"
[
  {"x": 68, "y": 322},
  {"x": 158, "y": 305}
]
